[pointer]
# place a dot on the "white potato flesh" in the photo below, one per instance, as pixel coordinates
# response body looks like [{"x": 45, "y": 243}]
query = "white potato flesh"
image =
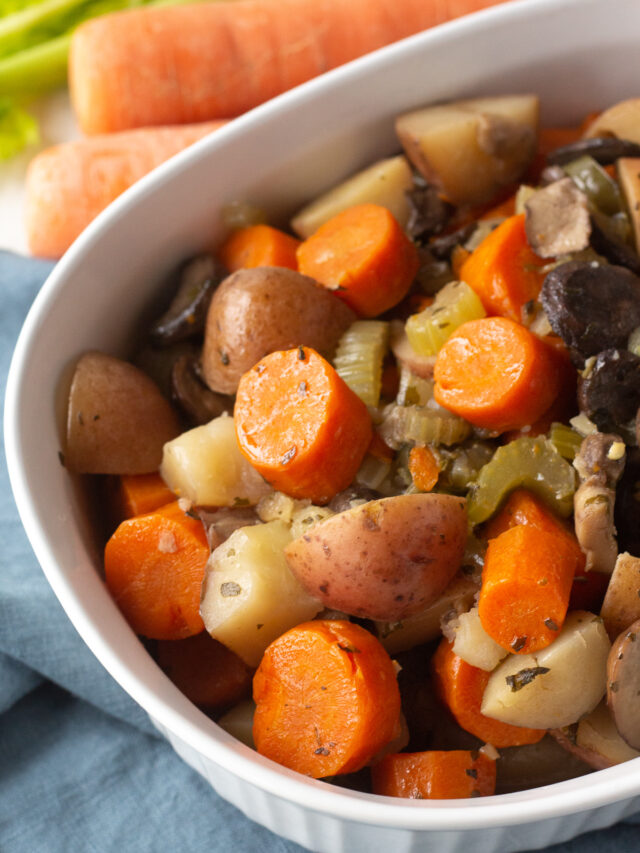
[
  {"x": 206, "y": 466},
  {"x": 598, "y": 733},
  {"x": 556, "y": 686},
  {"x": 621, "y": 120},
  {"x": 628, "y": 169},
  {"x": 385, "y": 183},
  {"x": 471, "y": 149},
  {"x": 238, "y": 722},
  {"x": 473, "y": 644},
  {"x": 249, "y": 595}
]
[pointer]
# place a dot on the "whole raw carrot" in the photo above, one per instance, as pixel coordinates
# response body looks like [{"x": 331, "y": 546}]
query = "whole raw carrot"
[
  {"x": 327, "y": 699},
  {"x": 183, "y": 64},
  {"x": 526, "y": 583},
  {"x": 208, "y": 673},
  {"x": 504, "y": 271},
  {"x": 363, "y": 255},
  {"x": 300, "y": 425},
  {"x": 435, "y": 775},
  {"x": 461, "y": 687},
  {"x": 259, "y": 246},
  {"x": 68, "y": 185},
  {"x": 496, "y": 374},
  {"x": 154, "y": 566}
]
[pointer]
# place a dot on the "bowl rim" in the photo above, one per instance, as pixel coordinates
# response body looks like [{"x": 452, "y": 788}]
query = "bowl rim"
[{"x": 179, "y": 716}]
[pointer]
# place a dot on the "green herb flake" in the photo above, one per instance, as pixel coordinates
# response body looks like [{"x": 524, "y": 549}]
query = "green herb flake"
[
  {"x": 551, "y": 625},
  {"x": 525, "y": 676},
  {"x": 301, "y": 353},
  {"x": 519, "y": 643},
  {"x": 347, "y": 647}
]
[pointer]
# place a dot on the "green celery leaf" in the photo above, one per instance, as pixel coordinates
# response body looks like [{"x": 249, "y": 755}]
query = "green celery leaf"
[{"x": 18, "y": 129}]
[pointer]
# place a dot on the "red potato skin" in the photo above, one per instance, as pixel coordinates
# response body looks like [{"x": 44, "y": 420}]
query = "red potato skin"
[{"x": 386, "y": 559}]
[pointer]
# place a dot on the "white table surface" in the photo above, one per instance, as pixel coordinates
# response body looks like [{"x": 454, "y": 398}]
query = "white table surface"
[{"x": 57, "y": 124}]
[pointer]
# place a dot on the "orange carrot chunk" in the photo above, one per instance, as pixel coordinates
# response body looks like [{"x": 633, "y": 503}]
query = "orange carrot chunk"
[
  {"x": 138, "y": 494},
  {"x": 154, "y": 566},
  {"x": 423, "y": 467},
  {"x": 461, "y": 687},
  {"x": 300, "y": 425},
  {"x": 504, "y": 271},
  {"x": 208, "y": 673},
  {"x": 496, "y": 374},
  {"x": 197, "y": 62},
  {"x": 364, "y": 255},
  {"x": 68, "y": 185},
  {"x": 526, "y": 583},
  {"x": 327, "y": 699},
  {"x": 435, "y": 775},
  {"x": 259, "y": 246}
]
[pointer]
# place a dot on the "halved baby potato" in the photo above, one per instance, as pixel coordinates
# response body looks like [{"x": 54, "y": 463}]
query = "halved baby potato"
[{"x": 471, "y": 149}]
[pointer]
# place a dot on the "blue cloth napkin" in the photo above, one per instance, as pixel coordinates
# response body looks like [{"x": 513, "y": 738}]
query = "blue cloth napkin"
[{"x": 81, "y": 767}]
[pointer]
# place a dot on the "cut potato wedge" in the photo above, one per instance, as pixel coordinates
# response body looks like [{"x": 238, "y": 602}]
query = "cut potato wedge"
[
  {"x": 621, "y": 120},
  {"x": 249, "y": 595},
  {"x": 206, "y": 466},
  {"x": 597, "y": 732},
  {"x": 621, "y": 605},
  {"x": 472, "y": 149},
  {"x": 385, "y": 183},
  {"x": 629, "y": 176},
  {"x": 556, "y": 686}
]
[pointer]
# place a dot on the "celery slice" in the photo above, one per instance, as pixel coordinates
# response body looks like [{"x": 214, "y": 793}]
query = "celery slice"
[
  {"x": 359, "y": 356},
  {"x": 454, "y": 305}
]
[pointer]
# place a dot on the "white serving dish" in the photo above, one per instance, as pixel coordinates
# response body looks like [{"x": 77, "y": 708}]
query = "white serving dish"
[{"x": 579, "y": 55}]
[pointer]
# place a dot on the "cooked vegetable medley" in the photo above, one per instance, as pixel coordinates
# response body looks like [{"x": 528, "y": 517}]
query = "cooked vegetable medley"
[{"x": 372, "y": 482}]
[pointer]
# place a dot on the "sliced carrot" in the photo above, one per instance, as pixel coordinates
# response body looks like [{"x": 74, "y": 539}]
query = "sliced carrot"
[
  {"x": 424, "y": 468},
  {"x": 364, "y": 255},
  {"x": 435, "y": 775},
  {"x": 380, "y": 449},
  {"x": 461, "y": 687},
  {"x": 68, "y": 185},
  {"x": 504, "y": 209},
  {"x": 138, "y": 494},
  {"x": 259, "y": 246},
  {"x": 327, "y": 698},
  {"x": 154, "y": 566},
  {"x": 504, "y": 271},
  {"x": 458, "y": 256},
  {"x": 300, "y": 425},
  {"x": 208, "y": 673},
  {"x": 526, "y": 583},
  {"x": 169, "y": 65},
  {"x": 496, "y": 374}
]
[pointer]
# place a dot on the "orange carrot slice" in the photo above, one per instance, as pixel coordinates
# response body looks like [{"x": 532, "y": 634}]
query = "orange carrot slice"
[
  {"x": 300, "y": 425},
  {"x": 154, "y": 566},
  {"x": 327, "y": 699},
  {"x": 504, "y": 271},
  {"x": 364, "y": 255},
  {"x": 435, "y": 775},
  {"x": 259, "y": 246},
  {"x": 496, "y": 374},
  {"x": 424, "y": 468},
  {"x": 526, "y": 583},
  {"x": 461, "y": 687},
  {"x": 138, "y": 494}
]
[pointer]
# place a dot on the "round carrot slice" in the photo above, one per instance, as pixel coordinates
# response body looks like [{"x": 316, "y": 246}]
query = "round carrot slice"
[
  {"x": 300, "y": 425},
  {"x": 496, "y": 374},
  {"x": 327, "y": 699}
]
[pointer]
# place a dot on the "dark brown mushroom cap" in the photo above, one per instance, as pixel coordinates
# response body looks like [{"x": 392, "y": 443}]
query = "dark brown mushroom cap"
[
  {"x": 609, "y": 390},
  {"x": 623, "y": 684},
  {"x": 604, "y": 149}
]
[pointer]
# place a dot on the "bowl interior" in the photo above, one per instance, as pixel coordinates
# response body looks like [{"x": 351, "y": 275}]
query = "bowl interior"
[{"x": 577, "y": 54}]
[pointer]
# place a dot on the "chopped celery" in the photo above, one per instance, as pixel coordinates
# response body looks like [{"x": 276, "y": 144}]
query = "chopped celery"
[
  {"x": 17, "y": 129},
  {"x": 596, "y": 184},
  {"x": 454, "y": 305},
  {"x": 413, "y": 390},
  {"x": 565, "y": 440},
  {"x": 533, "y": 463},
  {"x": 359, "y": 356},
  {"x": 410, "y": 425}
]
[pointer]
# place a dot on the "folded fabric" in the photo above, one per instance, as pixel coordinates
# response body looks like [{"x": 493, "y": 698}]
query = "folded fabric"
[{"x": 81, "y": 767}]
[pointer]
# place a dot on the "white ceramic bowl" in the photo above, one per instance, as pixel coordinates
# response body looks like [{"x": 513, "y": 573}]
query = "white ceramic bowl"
[{"x": 579, "y": 55}]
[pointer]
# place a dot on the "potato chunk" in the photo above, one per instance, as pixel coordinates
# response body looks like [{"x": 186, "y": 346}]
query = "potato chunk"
[
  {"x": 249, "y": 595},
  {"x": 471, "y": 149},
  {"x": 206, "y": 466},
  {"x": 555, "y": 686}
]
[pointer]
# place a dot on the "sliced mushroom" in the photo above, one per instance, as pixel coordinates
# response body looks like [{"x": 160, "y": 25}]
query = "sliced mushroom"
[
  {"x": 591, "y": 307},
  {"x": 609, "y": 389},
  {"x": 557, "y": 219},
  {"x": 442, "y": 246},
  {"x": 198, "y": 402},
  {"x": 607, "y": 244},
  {"x": 629, "y": 176},
  {"x": 623, "y": 684},
  {"x": 622, "y": 120},
  {"x": 604, "y": 149},
  {"x": 429, "y": 212},
  {"x": 599, "y": 464},
  {"x": 187, "y": 313},
  {"x": 621, "y": 605}
]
